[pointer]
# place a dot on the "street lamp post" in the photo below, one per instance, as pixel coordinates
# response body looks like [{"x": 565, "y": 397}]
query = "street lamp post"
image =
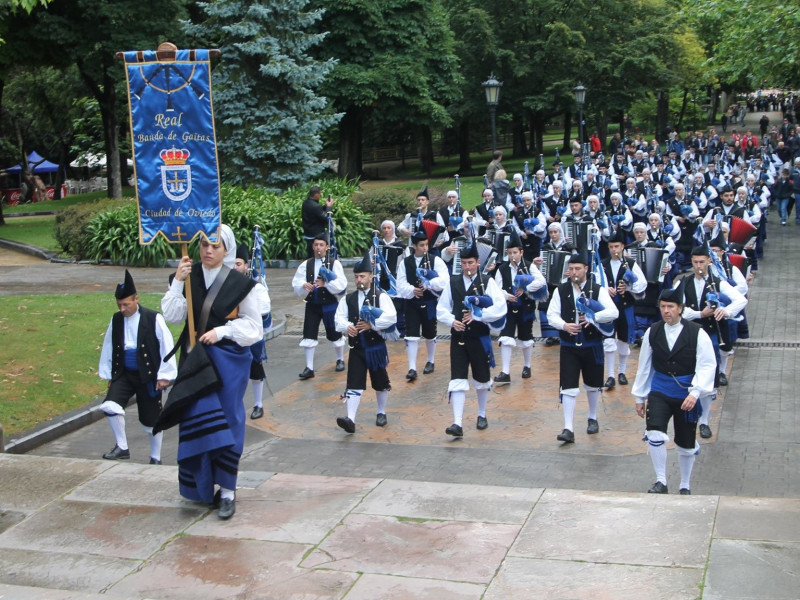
[
  {"x": 580, "y": 99},
  {"x": 694, "y": 102},
  {"x": 492, "y": 88}
]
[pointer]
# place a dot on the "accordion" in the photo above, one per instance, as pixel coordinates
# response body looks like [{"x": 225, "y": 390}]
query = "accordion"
[
  {"x": 580, "y": 234},
  {"x": 652, "y": 262},
  {"x": 554, "y": 266}
]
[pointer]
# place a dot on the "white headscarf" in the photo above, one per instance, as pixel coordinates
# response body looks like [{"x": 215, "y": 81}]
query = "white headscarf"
[{"x": 226, "y": 237}]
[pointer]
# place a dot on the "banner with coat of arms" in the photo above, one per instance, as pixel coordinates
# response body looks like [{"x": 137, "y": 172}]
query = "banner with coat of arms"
[{"x": 174, "y": 145}]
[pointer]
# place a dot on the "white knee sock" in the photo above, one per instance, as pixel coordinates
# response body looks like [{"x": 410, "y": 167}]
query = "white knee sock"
[
  {"x": 526, "y": 356},
  {"x": 568, "y": 406},
  {"x": 353, "y": 400},
  {"x": 339, "y": 352},
  {"x": 505, "y": 355},
  {"x": 686, "y": 463},
  {"x": 117, "y": 423},
  {"x": 723, "y": 362},
  {"x": 483, "y": 398},
  {"x": 705, "y": 402},
  {"x": 155, "y": 442},
  {"x": 623, "y": 351},
  {"x": 658, "y": 454},
  {"x": 430, "y": 345},
  {"x": 593, "y": 396},
  {"x": 382, "y": 397},
  {"x": 310, "y": 358},
  {"x": 611, "y": 359},
  {"x": 411, "y": 351},
  {"x": 623, "y": 362},
  {"x": 258, "y": 391},
  {"x": 227, "y": 494},
  {"x": 458, "y": 399}
]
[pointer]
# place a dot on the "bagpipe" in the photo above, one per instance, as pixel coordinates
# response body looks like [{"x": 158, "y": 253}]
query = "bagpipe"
[
  {"x": 457, "y": 218},
  {"x": 585, "y": 304},
  {"x": 477, "y": 302},
  {"x": 370, "y": 312},
  {"x": 521, "y": 282},
  {"x": 426, "y": 273},
  {"x": 381, "y": 270}
]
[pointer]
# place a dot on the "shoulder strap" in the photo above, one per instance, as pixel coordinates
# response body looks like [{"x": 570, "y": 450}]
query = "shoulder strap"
[{"x": 210, "y": 297}]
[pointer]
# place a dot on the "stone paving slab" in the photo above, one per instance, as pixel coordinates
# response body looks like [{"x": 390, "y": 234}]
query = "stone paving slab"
[
  {"x": 111, "y": 530},
  {"x": 450, "y": 502},
  {"x": 18, "y": 592},
  {"x": 52, "y": 568},
  {"x": 776, "y": 519},
  {"x": 600, "y": 527},
  {"x": 451, "y": 550},
  {"x": 388, "y": 587},
  {"x": 195, "y": 567},
  {"x": 31, "y": 482},
  {"x": 525, "y": 579},
  {"x": 750, "y": 570}
]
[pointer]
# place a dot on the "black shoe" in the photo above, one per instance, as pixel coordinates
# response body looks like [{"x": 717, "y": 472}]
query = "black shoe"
[
  {"x": 306, "y": 374},
  {"x": 258, "y": 412},
  {"x": 637, "y": 343},
  {"x": 526, "y": 372},
  {"x": 217, "y": 496},
  {"x": 566, "y": 436},
  {"x": 685, "y": 492},
  {"x": 380, "y": 420},
  {"x": 610, "y": 383},
  {"x": 117, "y": 453},
  {"x": 226, "y": 508},
  {"x": 340, "y": 366},
  {"x": 658, "y": 488},
  {"x": 622, "y": 379},
  {"x": 705, "y": 432},
  {"x": 429, "y": 367},
  {"x": 346, "y": 424},
  {"x": 551, "y": 341},
  {"x": 155, "y": 461},
  {"x": 482, "y": 423},
  {"x": 723, "y": 379},
  {"x": 592, "y": 427},
  {"x": 411, "y": 375},
  {"x": 502, "y": 378},
  {"x": 454, "y": 430}
]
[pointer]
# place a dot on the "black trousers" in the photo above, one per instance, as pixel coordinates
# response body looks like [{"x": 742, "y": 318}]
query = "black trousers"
[
  {"x": 128, "y": 385},
  {"x": 660, "y": 409}
]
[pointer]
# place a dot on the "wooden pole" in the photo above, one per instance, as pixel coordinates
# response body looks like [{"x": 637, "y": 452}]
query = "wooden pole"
[{"x": 188, "y": 292}]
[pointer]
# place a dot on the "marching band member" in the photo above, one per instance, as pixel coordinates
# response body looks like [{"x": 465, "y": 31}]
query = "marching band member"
[
  {"x": 469, "y": 302},
  {"x": 363, "y": 315}
]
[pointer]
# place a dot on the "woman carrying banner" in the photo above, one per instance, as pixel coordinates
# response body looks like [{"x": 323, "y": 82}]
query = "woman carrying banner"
[{"x": 228, "y": 321}]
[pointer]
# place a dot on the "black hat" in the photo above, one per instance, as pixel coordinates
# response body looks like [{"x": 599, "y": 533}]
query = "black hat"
[
  {"x": 724, "y": 189},
  {"x": 243, "y": 252},
  {"x": 364, "y": 265},
  {"x": 700, "y": 251},
  {"x": 419, "y": 236},
  {"x": 557, "y": 162},
  {"x": 470, "y": 251},
  {"x": 719, "y": 241},
  {"x": 616, "y": 237},
  {"x": 669, "y": 295},
  {"x": 513, "y": 240},
  {"x": 322, "y": 236},
  {"x": 125, "y": 289},
  {"x": 578, "y": 259},
  {"x": 424, "y": 192}
]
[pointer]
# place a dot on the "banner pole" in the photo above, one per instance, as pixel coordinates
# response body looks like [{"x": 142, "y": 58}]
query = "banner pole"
[{"x": 189, "y": 306}]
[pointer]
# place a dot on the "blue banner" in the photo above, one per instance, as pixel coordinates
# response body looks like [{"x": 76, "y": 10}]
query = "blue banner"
[{"x": 174, "y": 145}]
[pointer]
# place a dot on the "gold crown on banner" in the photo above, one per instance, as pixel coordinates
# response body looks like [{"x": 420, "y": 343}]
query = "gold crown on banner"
[{"x": 174, "y": 156}]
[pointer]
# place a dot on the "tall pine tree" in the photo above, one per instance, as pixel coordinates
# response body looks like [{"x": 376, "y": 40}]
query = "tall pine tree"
[{"x": 268, "y": 113}]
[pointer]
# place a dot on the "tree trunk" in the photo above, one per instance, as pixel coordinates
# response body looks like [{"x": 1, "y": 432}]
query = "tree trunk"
[
  {"x": 519, "y": 145},
  {"x": 112, "y": 137},
  {"x": 425, "y": 149},
  {"x": 567, "y": 145},
  {"x": 350, "y": 140},
  {"x": 537, "y": 135},
  {"x": 464, "y": 160},
  {"x": 679, "y": 126},
  {"x": 602, "y": 131}
]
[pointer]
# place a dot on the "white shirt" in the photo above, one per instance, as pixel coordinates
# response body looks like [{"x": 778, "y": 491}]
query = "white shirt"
[
  {"x": 490, "y": 314},
  {"x": 385, "y": 321},
  {"x": 168, "y": 370},
  {"x": 705, "y": 366},
  {"x": 608, "y": 314}
]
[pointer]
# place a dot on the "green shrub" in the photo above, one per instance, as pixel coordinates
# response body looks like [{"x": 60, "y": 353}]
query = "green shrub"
[
  {"x": 114, "y": 235},
  {"x": 70, "y": 226},
  {"x": 382, "y": 204}
]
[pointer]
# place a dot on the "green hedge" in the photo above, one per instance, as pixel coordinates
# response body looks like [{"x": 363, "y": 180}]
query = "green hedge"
[{"x": 109, "y": 230}]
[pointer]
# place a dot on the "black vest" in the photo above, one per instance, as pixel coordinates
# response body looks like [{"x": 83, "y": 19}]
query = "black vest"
[
  {"x": 459, "y": 292},
  {"x": 626, "y": 299},
  {"x": 410, "y": 263},
  {"x": 682, "y": 359},
  {"x": 148, "y": 350},
  {"x": 568, "y": 312},
  {"x": 709, "y": 324},
  {"x": 322, "y": 295},
  {"x": 372, "y": 337}
]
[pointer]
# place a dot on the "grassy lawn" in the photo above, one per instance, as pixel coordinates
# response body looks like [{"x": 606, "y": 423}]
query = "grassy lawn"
[
  {"x": 63, "y": 203},
  {"x": 50, "y": 353},
  {"x": 35, "y": 231}
]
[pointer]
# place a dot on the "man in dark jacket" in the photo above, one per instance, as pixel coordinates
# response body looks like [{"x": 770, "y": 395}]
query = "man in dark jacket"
[{"x": 315, "y": 217}]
